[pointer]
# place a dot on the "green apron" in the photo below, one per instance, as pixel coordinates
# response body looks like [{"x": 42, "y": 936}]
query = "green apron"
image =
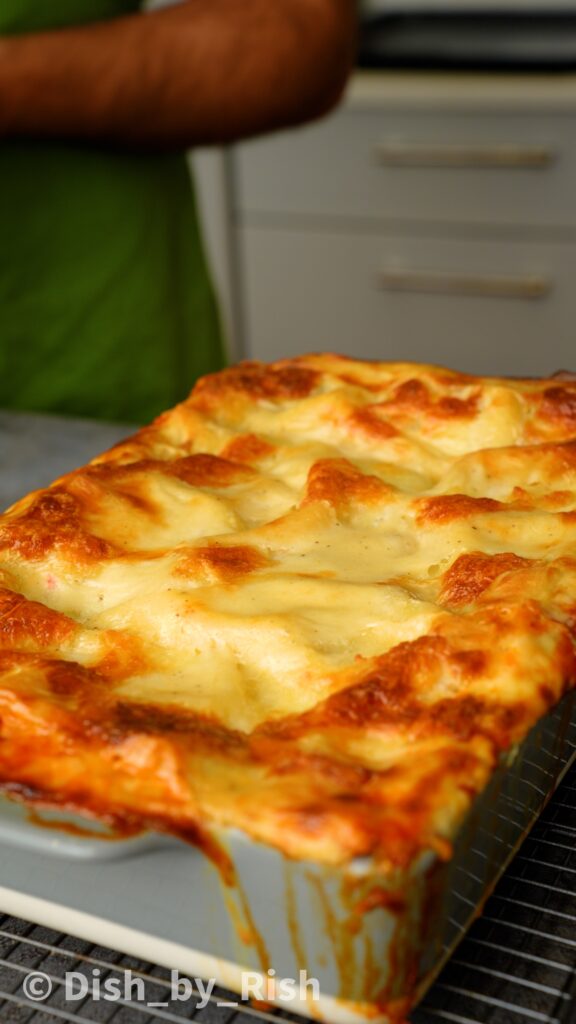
[{"x": 106, "y": 307}]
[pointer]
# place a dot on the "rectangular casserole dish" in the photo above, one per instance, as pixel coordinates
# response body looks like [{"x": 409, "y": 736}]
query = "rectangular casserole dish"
[{"x": 340, "y": 860}]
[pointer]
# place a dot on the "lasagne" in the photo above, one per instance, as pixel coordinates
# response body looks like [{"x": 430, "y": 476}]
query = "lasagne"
[{"x": 318, "y": 602}]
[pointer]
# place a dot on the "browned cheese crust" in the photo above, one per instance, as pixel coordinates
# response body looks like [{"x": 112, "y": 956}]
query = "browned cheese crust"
[{"x": 316, "y": 601}]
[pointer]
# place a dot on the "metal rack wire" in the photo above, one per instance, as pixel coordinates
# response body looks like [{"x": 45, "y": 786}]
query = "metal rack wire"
[{"x": 516, "y": 966}]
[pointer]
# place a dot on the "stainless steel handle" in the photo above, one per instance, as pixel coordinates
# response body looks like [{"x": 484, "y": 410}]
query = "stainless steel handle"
[
  {"x": 423, "y": 154},
  {"x": 446, "y": 283}
]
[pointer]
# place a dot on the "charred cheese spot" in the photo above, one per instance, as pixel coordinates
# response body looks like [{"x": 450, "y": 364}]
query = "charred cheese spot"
[
  {"x": 217, "y": 563},
  {"x": 453, "y": 407},
  {"x": 259, "y": 382},
  {"x": 157, "y": 719},
  {"x": 30, "y": 625},
  {"x": 465, "y": 715},
  {"x": 472, "y": 574},
  {"x": 286, "y": 759},
  {"x": 378, "y": 701},
  {"x": 449, "y": 507},
  {"x": 368, "y": 420},
  {"x": 129, "y": 486},
  {"x": 53, "y": 523},
  {"x": 199, "y": 470},
  {"x": 122, "y": 657},
  {"x": 559, "y": 405},
  {"x": 71, "y": 680},
  {"x": 413, "y": 397},
  {"x": 552, "y": 500},
  {"x": 390, "y": 692},
  {"x": 339, "y": 483},
  {"x": 209, "y": 471},
  {"x": 247, "y": 448}
]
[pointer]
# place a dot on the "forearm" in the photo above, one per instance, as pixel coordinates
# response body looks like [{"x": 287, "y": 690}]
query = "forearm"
[{"x": 206, "y": 71}]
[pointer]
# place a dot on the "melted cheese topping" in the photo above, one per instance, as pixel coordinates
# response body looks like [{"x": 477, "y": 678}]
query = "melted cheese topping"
[{"x": 316, "y": 602}]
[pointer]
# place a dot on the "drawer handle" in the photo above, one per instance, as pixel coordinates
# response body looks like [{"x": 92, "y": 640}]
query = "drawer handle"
[
  {"x": 531, "y": 287},
  {"x": 415, "y": 154}
]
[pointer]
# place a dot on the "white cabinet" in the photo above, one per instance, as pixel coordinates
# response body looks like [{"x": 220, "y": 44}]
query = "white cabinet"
[
  {"x": 509, "y": 308},
  {"x": 430, "y": 218},
  {"x": 453, "y": 167}
]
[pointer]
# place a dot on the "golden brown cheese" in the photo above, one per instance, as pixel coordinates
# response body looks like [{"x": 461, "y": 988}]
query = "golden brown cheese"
[{"x": 316, "y": 601}]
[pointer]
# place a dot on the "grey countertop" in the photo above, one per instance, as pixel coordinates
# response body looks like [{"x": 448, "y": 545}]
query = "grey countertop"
[{"x": 35, "y": 449}]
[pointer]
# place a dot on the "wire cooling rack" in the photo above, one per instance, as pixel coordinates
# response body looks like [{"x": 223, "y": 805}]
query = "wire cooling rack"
[{"x": 516, "y": 966}]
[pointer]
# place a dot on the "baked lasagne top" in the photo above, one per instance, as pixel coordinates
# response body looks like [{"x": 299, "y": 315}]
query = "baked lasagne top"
[{"x": 316, "y": 601}]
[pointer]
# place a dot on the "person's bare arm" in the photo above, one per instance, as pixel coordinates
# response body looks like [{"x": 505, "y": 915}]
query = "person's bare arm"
[{"x": 205, "y": 71}]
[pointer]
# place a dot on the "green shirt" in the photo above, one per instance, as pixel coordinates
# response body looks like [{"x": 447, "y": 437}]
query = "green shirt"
[{"x": 106, "y": 307}]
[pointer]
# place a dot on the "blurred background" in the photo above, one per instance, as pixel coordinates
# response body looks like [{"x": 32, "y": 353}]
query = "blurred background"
[{"x": 432, "y": 216}]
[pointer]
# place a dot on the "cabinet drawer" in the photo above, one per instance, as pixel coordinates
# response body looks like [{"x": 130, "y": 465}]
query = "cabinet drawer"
[
  {"x": 482, "y": 307},
  {"x": 516, "y": 169}
]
